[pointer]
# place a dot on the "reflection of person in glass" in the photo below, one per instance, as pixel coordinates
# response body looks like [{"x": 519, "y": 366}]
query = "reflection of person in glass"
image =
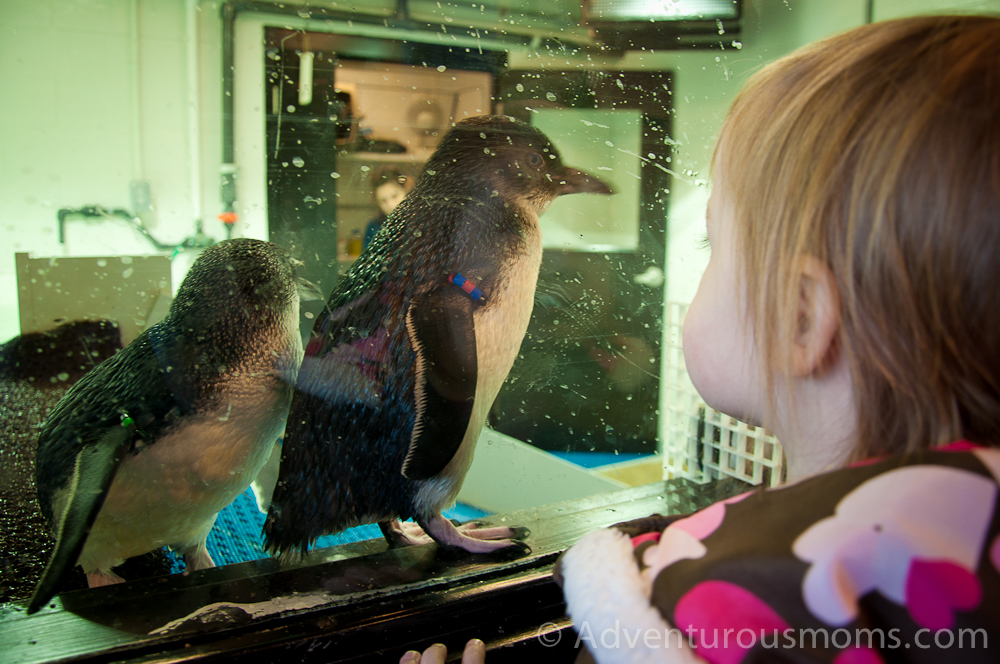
[
  {"x": 391, "y": 187},
  {"x": 849, "y": 306}
]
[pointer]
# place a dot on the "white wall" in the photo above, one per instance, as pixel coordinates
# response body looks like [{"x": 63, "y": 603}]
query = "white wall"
[{"x": 99, "y": 92}]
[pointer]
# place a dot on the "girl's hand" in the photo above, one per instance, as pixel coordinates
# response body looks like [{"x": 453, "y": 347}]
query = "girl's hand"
[{"x": 474, "y": 653}]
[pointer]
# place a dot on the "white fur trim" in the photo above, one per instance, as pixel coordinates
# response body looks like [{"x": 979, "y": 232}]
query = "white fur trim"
[{"x": 609, "y": 604}]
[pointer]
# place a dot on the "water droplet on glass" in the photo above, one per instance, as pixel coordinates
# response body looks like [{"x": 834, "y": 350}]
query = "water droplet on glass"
[
  {"x": 335, "y": 175},
  {"x": 520, "y": 87},
  {"x": 441, "y": 68},
  {"x": 418, "y": 234},
  {"x": 290, "y": 109},
  {"x": 299, "y": 161},
  {"x": 551, "y": 96}
]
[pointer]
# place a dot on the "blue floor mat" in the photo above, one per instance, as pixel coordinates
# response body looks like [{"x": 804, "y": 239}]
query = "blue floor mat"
[
  {"x": 595, "y": 459},
  {"x": 237, "y": 537}
]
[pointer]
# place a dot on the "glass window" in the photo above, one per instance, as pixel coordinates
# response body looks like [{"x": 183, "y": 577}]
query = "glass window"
[{"x": 139, "y": 136}]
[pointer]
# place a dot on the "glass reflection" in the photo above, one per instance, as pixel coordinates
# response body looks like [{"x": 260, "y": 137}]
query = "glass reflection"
[{"x": 211, "y": 120}]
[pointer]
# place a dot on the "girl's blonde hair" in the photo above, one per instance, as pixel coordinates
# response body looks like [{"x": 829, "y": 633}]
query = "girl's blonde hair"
[{"x": 878, "y": 152}]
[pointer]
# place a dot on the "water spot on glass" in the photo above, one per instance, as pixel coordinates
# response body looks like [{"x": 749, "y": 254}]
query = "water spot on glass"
[
  {"x": 309, "y": 314},
  {"x": 101, "y": 262},
  {"x": 418, "y": 234},
  {"x": 365, "y": 169},
  {"x": 126, "y": 260},
  {"x": 290, "y": 108},
  {"x": 441, "y": 68},
  {"x": 299, "y": 161},
  {"x": 335, "y": 175},
  {"x": 128, "y": 273},
  {"x": 550, "y": 96},
  {"x": 609, "y": 144}
]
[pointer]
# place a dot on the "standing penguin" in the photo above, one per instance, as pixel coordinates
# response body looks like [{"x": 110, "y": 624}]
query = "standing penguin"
[
  {"x": 148, "y": 447},
  {"x": 416, "y": 341}
]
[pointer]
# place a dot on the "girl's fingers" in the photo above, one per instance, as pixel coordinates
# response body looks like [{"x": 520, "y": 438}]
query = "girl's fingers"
[{"x": 474, "y": 653}]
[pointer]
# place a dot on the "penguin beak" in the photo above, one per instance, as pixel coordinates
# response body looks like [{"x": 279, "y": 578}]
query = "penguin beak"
[{"x": 578, "y": 182}]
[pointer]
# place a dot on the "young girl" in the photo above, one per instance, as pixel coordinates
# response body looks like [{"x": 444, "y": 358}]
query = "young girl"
[{"x": 852, "y": 306}]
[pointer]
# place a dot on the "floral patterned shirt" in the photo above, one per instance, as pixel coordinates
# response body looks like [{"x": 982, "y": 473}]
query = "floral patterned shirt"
[{"x": 891, "y": 560}]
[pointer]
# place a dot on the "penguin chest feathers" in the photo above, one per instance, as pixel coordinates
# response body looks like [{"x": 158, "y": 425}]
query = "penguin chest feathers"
[{"x": 500, "y": 326}]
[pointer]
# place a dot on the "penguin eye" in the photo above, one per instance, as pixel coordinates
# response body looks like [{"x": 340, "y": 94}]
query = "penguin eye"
[{"x": 535, "y": 160}]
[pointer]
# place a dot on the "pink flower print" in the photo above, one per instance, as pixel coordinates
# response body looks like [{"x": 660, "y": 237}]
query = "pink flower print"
[
  {"x": 725, "y": 620},
  {"x": 936, "y": 589},
  {"x": 891, "y": 534},
  {"x": 645, "y": 537},
  {"x": 958, "y": 446},
  {"x": 682, "y": 539}
]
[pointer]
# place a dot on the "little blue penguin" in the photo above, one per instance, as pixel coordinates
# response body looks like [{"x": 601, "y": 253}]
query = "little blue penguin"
[
  {"x": 151, "y": 444},
  {"x": 414, "y": 344}
]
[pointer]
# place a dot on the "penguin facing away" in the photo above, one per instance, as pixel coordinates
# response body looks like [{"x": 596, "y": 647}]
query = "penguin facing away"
[
  {"x": 414, "y": 344},
  {"x": 150, "y": 445}
]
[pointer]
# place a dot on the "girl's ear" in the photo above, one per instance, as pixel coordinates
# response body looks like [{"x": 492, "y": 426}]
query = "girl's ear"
[{"x": 818, "y": 319}]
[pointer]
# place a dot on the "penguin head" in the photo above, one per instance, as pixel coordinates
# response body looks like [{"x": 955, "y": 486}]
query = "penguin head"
[
  {"x": 243, "y": 280},
  {"x": 510, "y": 159}
]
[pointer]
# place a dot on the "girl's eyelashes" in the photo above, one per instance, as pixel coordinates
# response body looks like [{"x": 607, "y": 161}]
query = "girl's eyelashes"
[{"x": 703, "y": 242}]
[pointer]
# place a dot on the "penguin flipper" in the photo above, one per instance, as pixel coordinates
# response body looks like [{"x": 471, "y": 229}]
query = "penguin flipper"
[
  {"x": 94, "y": 468},
  {"x": 442, "y": 331}
]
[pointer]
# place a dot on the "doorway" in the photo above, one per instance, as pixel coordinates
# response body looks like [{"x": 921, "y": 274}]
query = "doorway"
[
  {"x": 374, "y": 106},
  {"x": 586, "y": 384}
]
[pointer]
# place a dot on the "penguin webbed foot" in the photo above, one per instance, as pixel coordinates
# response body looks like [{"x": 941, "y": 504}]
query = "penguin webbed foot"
[
  {"x": 473, "y": 537},
  {"x": 403, "y": 533},
  {"x": 198, "y": 557}
]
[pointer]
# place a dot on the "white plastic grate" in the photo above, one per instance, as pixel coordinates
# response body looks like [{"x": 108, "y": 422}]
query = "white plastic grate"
[{"x": 700, "y": 443}]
